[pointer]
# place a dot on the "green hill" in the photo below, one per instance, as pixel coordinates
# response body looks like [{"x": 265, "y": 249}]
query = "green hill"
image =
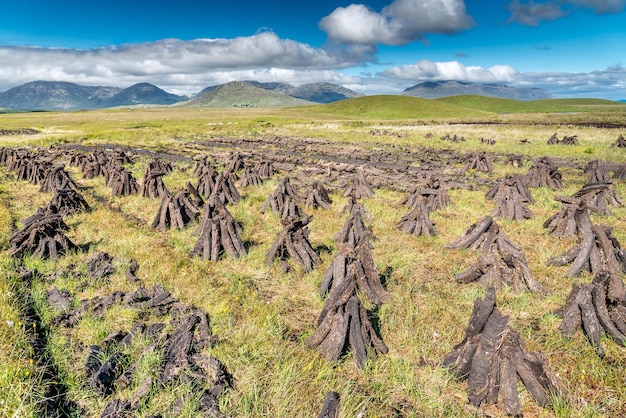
[
  {"x": 241, "y": 94},
  {"x": 496, "y": 105},
  {"x": 393, "y": 107}
]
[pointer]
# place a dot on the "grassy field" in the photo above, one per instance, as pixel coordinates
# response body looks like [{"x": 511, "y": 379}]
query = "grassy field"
[{"x": 263, "y": 315}]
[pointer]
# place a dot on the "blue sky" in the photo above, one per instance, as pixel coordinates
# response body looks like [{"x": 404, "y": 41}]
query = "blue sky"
[{"x": 571, "y": 48}]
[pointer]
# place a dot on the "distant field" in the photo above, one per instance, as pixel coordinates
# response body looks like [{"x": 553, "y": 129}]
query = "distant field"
[{"x": 262, "y": 316}]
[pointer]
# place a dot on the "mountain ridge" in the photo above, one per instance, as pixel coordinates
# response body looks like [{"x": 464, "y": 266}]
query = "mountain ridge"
[{"x": 447, "y": 88}]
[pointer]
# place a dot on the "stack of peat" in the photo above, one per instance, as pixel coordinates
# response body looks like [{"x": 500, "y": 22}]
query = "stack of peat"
[
  {"x": 153, "y": 186},
  {"x": 359, "y": 188},
  {"x": 206, "y": 179},
  {"x": 122, "y": 182},
  {"x": 177, "y": 211},
  {"x": 236, "y": 163},
  {"x": 94, "y": 165},
  {"x": 42, "y": 235},
  {"x": 417, "y": 222},
  {"x": 599, "y": 307},
  {"x": 344, "y": 321},
  {"x": 224, "y": 188},
  {"x": 510, "y": 195},
  {"x": 598, "y": 249},
  {"x": 219, "y": 233},
  {"x": 265, "y": 168},
  {"x": 317, "y": 196},
  {"x": 563, "y": 223},
  {"x": 250, "y": 178},
  {"x": 567, "y": 140},
  {"x": 284, "y": 201},
  {"x": 433, "y": 193},
  {"x": 502, "y": 261},
  {"x": 293, "y": 242},
  {"x": 479, "y": 161},
  {"x": 492, "y": 358},
  {"x": 56, "y": 179},
  {"x": 68, "y": 202},
  {"x": 544, "y": 173}
]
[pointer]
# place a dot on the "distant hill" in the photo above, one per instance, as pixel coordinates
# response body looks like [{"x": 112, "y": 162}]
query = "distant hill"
[
  {"x": 141, "y": 94},
  {"x": 393, "y": 107},
  {"x": 438, "y": 89},
  {"x": 313, "y": 92},
  {"x": 55, "y": 95},
  {"x": 243, "y": 94}
]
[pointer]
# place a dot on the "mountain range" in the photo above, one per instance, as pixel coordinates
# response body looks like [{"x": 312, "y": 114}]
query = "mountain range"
[
  {"x": 59, "y": 95},
  {"x": 438, "y": 89}
]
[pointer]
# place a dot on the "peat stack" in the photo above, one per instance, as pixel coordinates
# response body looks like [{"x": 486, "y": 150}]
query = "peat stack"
[
  {"x": 236, "y": 163},
  {"x": 93, "y": 165},
  {"x": 120, "y": 157},
  {"x": 510, "y": 196},
  {"x": 153, "y": 185},
  {"x": 620, "y": 172},
  {"x": 417, "y": 222},
  {"x": 317, "y": 196},
  {"x": 250, "y": 178},
  {"x": 601, "y": 196},
  {"x": 597, "y": 251},
  {"x": 354, "y": 266},
  {"x": 569, "y": 140},
  {"x": 343, "y": 323},
  {"x": 355, "y": 230},
  {"x": 563, "y": 223},
  {"x": 43, "y": 237},
  {"x": 492, "y": 359},
  {"x": 433, "y": 193},
  {"x": 176, "y": 211},
  {"x": 225, "y": 189},
  {"x": 157, "y": 164},
  {"x": 293, "y": 242},
  {"x": 200, "y": 162},
  {"x": 57, "y": 179},
  {"x": 284, "y": 201},
  {"x": 502, "y": 261},
  {"x": 68, "y": 202},
  {"x": 596, "y": 308},
  {"x": 544, "y": 173},
  {"x": 359, "y": 188},
  {"x": 206, "y": 180},
  {"x": 122, "y": 182},
  {"x": 265, "y": 168},
  {"x": 479, "y": 161},
  {"x": 219, "y": 233},
  {"x": 598, "y": 172},
  {"x": 620, "y": 142},
  {"x": 553, "y": 140},
  {"x": 515, "y": 160}
]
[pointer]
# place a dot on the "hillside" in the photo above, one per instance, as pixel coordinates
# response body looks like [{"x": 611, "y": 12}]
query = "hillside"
[
  {"x": 438, "y": 89},
  {"x": 499, "y": 105},
  {"x": 242, "y": 94},
  {"x": 394, "y": 107},
  {"x": 55, "y": 95},
  {"x": 141, "y": 93}
]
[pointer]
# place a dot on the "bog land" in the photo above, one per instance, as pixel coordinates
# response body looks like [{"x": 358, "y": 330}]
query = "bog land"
[{"x": 413, "y": 256}]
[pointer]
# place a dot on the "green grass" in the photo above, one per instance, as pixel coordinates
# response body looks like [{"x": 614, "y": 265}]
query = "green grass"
[{"x": 263, "y": 315}]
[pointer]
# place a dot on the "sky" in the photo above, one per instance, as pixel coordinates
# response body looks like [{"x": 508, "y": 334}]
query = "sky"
[{"x": 571, "y": 48}]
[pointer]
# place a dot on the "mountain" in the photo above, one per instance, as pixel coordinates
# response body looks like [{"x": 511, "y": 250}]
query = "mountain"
[
  {"x": 437, "y": 89},
  {"x": 141, "y": 94},
  {"x": 243, "y": 94},
  {"x": 312, "y": 92},
  {"x": 55, "y": 95}
]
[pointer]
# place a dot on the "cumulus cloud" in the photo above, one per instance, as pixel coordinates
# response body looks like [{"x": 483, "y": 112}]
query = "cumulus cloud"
[
  {"x": 399, "y": 23},
  {"x": 451, "y": 70},
  {"x": 172, "y": 62},
  {"x": 532, "y": 13}
]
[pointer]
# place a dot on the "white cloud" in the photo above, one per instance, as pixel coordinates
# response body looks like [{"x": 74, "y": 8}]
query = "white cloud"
[
  {"x": 172, "y": 62},
  {"x": 399, "y": 23},
  {"x": 451, "y": 70}
]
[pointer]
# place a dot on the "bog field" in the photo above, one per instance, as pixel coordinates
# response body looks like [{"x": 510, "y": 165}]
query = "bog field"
[{"x": 376, "y": 257}]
